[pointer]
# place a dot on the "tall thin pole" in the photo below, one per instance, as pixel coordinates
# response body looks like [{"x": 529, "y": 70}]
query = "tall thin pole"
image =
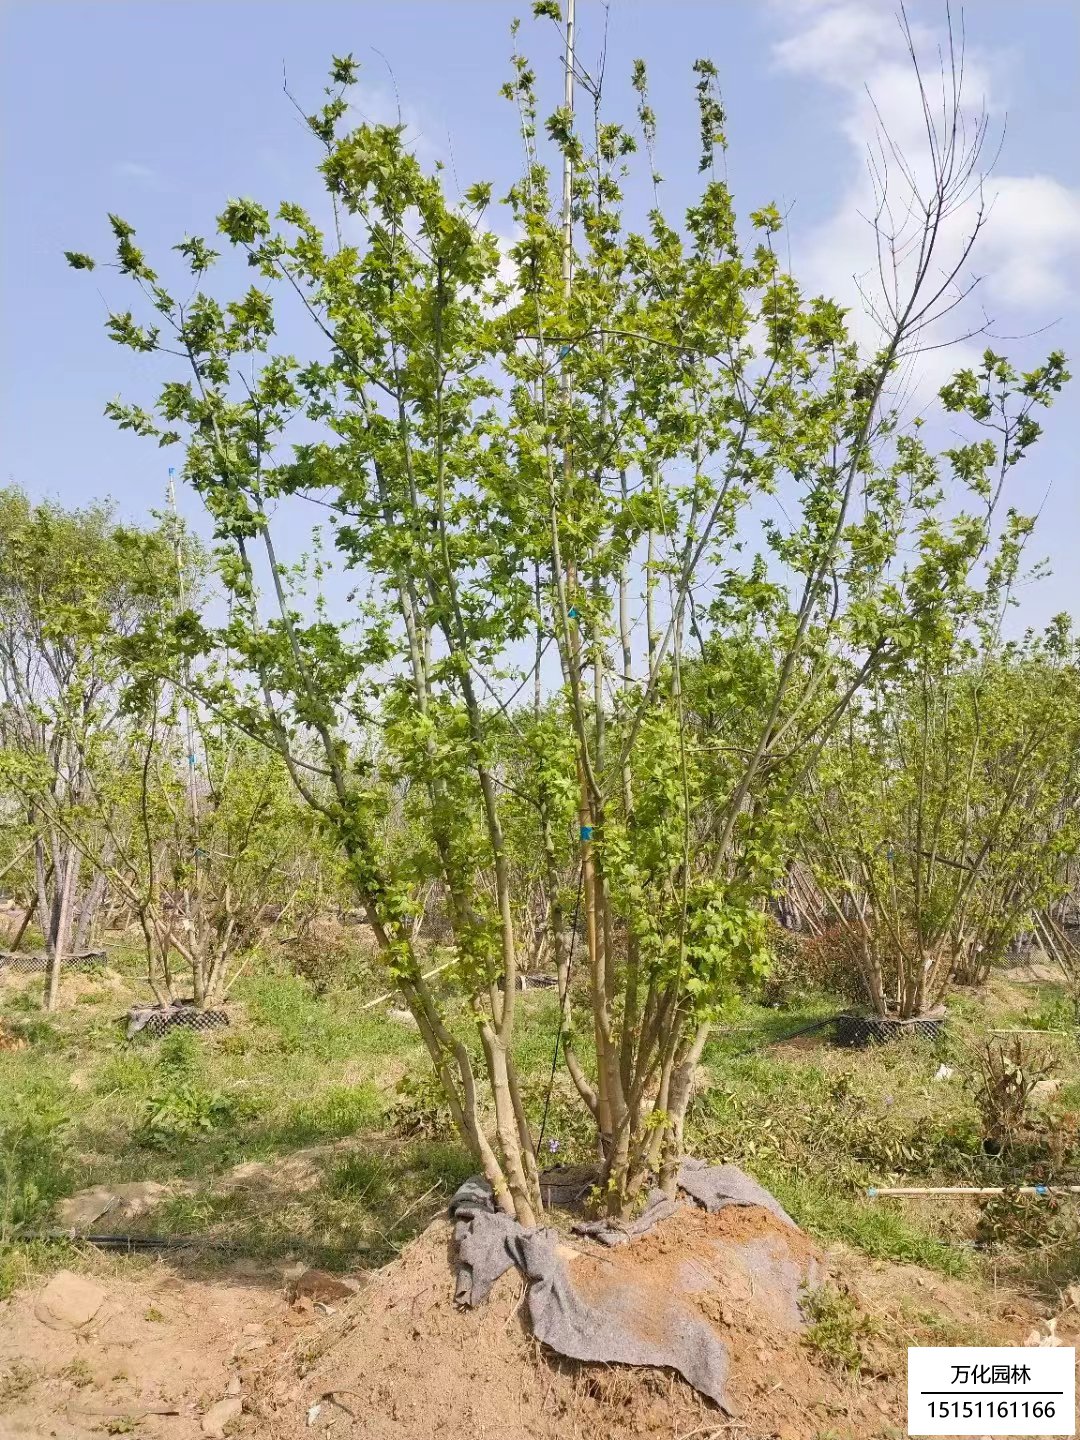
[
  {"x": 189, "y": 724},
  {"x": 585, "y": 814},
  {"x": 568, "y": 172}
]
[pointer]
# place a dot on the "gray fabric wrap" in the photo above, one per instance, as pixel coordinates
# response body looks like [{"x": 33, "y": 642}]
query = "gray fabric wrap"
[
  {"x": 612, "y": 1329},
  {"x": 716, "y": 1186}
]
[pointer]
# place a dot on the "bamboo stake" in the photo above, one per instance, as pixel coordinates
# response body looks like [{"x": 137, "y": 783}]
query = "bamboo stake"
[
  {"x": 390, "y": 994},
  {"x": 26, "y": 850},
  {"x": 875, "y": 1192},
  {"x": 1029, "y": 1030}
]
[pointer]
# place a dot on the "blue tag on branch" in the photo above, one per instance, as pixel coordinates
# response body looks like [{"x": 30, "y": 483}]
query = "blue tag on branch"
[{"x": 586, "y": 832}]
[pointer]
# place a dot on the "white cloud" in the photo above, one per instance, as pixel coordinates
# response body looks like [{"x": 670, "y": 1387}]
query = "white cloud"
[
  {"x": 840, "y": 41},
  {"x": 1033, "y": 241},
  {"x": 1027, "y": 256},
  {"x": 145, "y": 174}
]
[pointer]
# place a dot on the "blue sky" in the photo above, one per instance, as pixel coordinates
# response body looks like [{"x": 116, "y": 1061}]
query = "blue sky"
[{"x": 162, "y": 109}]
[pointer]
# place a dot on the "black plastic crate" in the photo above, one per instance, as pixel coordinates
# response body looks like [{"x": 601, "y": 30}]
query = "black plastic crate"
[{"x": 857, "y": 1031}]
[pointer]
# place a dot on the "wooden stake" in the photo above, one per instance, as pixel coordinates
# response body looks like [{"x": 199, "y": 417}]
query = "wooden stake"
[{"x": 874, "y": 1192}]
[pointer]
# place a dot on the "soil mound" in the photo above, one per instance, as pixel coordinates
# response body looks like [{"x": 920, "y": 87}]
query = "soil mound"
[
  {"x": 178, "y": 1349},
  {"x": 403, "y": 1363}
]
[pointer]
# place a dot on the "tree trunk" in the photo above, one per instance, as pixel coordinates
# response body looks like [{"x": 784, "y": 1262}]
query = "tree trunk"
[
  {"x": 41, "y": 884},
  {"x": 58, "y": 941},
  {"x": 88, "y": 911},
  {"x": 24, "y": 925}
]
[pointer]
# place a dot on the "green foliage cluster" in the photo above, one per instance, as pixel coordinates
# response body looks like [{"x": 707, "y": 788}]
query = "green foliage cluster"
[{"x": 179, "y": 1105}]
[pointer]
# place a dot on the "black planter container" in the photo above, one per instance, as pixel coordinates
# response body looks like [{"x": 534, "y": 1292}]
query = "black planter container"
[
  {"x": 21, "y": 964},
  {"x": 158, "y": 1019},
  {"x": 857, "y": 1031}
]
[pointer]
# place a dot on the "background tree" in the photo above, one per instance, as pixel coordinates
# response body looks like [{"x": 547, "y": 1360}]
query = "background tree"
[
  {"x": 940, "y": 819},
  {"x": 72, "y": 583}
]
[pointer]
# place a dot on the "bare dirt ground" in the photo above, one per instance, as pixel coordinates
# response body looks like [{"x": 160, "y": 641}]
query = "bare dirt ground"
[
  {"x": 172, "y": 1353},
  {"x": 161, "y": 1340}
]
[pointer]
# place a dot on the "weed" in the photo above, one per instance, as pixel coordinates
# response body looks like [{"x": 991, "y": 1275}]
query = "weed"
[
  {"x": 25, "y": 1003},
  {"x": 1056, "y": 1011},
  {"x": 285, "y": 1006},
  {"x": 177, "y": 1111},
  {"x": 120, "y": 1425},
  {"x": 199, "y": 1213},
  {"x": 22, "y": 1260},
  {"x": 234, "y": 1042},
  {"x": 420, "y": 1108},
  {"x": 445, "y": 1161},
  {"x": 77, "y": 1373},
  {"x": 33, "y": 1170},
  {"x": 361, "y": 1179},
  {"x": 179, "y": 1105},
  {"x": 180, "y": 1054},
  {"x": 884, "y": 1234},
  {"x": 1009, "y": 1072},
  {"x": 839, "y": 1331},
  {"x": 338, "y": 1111},
  {"x": 125, "y": 1073},
  {"x": 35, "y": 1030},
  {"x": 1024, "y": 1222},
  {"x": 16, "y": 1381}
]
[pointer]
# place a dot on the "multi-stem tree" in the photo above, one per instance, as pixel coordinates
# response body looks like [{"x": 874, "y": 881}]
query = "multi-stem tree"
[
  {"x": 940, "y": 817},
  {"x": 641, "y": 444},
  {"x": 192, "y": 826},
  {"x": 72, "y": 584}
]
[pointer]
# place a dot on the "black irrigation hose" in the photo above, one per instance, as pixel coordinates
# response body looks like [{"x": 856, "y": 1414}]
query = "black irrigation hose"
[
  {"x": 562, "y": 1006},
  {"x": 127, "y": 1243},
  {"x": 764, "y": 1041}
]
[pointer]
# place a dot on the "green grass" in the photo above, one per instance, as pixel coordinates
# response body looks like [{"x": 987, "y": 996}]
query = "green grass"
[
  {"x": 336, "y": 1112},
  {"x": 880, "y": 1232},
  {"x": 307, "y": 1071},
  {"x": 299, "y": 1072},
  {"x": 819, "y": 1126}
]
